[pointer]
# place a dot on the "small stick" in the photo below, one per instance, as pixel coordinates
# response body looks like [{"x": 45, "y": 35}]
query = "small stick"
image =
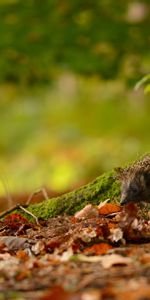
[
  {"x": 42, "y": 190},
  {"x": 22, "y": 207},
  {"x": 6, "y": 212},
  {"x": 29, "y": 213}
]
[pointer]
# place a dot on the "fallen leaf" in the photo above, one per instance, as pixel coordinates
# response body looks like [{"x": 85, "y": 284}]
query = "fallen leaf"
[
  {"x": 58, "y": 293},
  {"x": 14, "y": 243},
  {"x": 142, "y": 292},
  {"x": 14, "y": 221},
  {"x": 9, "y": 264},
  {"x": 98, "y": 249},
  {"x": 107, "y": 261},
  {"x": 22, "y": 255},
  {"x": 66, "y": 255},
  {"x": 87, "y": 234},
  {"x": 116, "y": 234},
  {"x": 145, "y": 259},
  {"x": 109, "y": 208},
  {"x": 91, "y": 295},
  {"x": 38, "y": 248},
  {"x": 89, "y": 211}
]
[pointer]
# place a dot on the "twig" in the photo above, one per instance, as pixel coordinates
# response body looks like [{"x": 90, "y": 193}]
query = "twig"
[
  {"x": 42, "y": 190},
  {"x": 22, "y": 207},
  {"x": 6, "y": 212},
  {"x": 29, "y": 213}
]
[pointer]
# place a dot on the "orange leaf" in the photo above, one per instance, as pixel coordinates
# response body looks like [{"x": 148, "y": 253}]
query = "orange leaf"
[
  {"x": 98, "y": 249},
  {"x": 58, "y": 293},
  {"x": 109, "y": 208},
  {"x": 22, "y": 255},
  {"x": 22, "y": 275}
]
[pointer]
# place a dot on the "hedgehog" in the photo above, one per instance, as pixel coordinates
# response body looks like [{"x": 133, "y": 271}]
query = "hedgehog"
[{"x": 135, "y": 181}]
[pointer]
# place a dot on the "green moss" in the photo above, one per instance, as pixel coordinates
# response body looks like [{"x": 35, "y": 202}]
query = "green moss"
[{"x": 102, "y": 188}]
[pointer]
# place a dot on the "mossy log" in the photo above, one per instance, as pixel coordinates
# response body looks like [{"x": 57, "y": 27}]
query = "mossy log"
[{"x": 103, "y": 187}]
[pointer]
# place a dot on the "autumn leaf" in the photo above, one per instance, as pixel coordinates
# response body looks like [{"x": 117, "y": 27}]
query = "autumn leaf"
[
  {"x": 107, "y": 261},
  {"x": 98, "y": 249},
  {"x": 58, "y": 293},
  {"x": 109, "y": 208},
  {"x": 89, "y": 211}
]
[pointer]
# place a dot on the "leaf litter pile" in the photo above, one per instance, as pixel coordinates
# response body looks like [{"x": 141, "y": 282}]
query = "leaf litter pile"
[{"x": 100, "y": 253}]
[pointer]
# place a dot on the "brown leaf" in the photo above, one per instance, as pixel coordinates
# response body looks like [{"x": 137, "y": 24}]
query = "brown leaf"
[
  {"x": 98, "y": 249},
  {"x": 14, "y": 243},
  {"x": 109, "y": 208},
  {"x": 116, "y": 234},
  {"x": 107, "y": 261},
  {"x": 38, "y": 248},
  {"x": 58, "y": 293},
  {"x": 89, "y": 211}
]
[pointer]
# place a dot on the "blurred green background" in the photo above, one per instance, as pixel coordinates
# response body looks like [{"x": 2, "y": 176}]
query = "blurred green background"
[{"x": 68, "y": 107}]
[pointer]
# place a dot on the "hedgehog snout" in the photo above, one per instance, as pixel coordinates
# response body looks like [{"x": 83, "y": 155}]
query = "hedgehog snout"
[{"x": 124, "y": 199}]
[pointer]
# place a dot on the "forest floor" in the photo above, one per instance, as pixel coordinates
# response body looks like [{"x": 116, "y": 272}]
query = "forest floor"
[{"x": 100, "y": 253}]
